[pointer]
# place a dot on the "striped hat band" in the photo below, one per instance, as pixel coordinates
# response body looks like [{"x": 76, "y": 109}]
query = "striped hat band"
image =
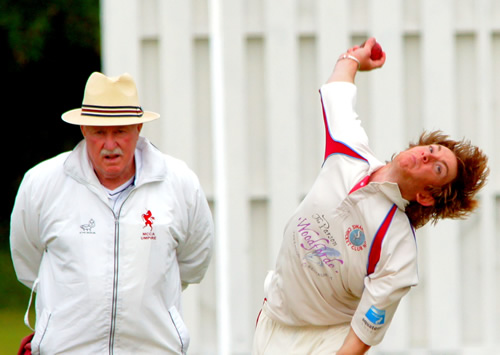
[{"x": 112, "y": 111}]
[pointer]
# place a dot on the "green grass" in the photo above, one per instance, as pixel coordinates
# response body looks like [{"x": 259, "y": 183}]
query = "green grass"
[
  {"x": 14, "y": 299},
  {"x": 12, "y": 330}
]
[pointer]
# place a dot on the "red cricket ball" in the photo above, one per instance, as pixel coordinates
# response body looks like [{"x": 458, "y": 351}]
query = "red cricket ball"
[{"x": 376, "y": 53}]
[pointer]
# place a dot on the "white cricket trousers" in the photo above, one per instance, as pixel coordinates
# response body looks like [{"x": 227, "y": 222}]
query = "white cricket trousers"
[{"x": 273, "y": 338}]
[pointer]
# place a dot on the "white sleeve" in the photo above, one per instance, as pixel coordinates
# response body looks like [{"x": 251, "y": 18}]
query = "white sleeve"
[
  {"x": 195, "y": 251},
  {"x": 338, "y": 100},
  {"x": 25, "y": 243}
]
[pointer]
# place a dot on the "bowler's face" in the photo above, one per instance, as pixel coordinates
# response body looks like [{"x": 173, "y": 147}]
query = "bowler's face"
[
  {"x": 423, "y": 166},
  {"x": 434, "y": 164},
  {"x": 111, "y": 151}
]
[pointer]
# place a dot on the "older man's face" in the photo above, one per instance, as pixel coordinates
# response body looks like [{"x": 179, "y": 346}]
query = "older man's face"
[{"x": 111, "y": 151}]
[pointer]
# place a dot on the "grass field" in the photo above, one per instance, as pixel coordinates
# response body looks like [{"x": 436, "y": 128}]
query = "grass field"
[{"x": 12, "y": 330}]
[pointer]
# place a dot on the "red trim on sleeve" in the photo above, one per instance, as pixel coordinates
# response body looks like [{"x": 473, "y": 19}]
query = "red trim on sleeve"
[
  {"x": 258, "y": 316},
  {"x": 374, "y": 256},
  {"x": 333, "y": 146}
]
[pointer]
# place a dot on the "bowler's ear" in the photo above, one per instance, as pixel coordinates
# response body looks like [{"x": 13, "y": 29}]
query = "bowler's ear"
[{"x": 425, "y": 199}]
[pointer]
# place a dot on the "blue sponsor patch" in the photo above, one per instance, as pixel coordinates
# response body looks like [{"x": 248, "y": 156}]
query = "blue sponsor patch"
[{"x": 375, "y": 315}]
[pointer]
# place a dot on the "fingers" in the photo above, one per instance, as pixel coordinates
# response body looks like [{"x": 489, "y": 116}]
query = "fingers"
[
  {"x": 369, "y": 43},
  {"x": 379, "y": 62},
  {"x": 363, "y": 53},
  {"x": 350, "y": 50}
]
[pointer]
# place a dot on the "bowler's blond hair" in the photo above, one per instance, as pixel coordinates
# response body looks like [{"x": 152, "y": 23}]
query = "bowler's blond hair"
[{"x": 456, "y": 199}]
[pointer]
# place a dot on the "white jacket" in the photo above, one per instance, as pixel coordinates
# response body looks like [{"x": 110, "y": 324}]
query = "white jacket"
[{"x": 106, "y": 283}]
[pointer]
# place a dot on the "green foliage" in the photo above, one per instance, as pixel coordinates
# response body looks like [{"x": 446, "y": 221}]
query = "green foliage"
[
  {"x": 49, "y": 48},
  {"x": 29, "y": 23}
]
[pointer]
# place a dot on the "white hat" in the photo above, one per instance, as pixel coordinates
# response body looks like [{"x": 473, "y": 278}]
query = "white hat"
[{"x": 109, "y": 102}]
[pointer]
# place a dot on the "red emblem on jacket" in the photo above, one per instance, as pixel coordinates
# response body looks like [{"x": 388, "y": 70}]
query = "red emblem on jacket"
[{"x": 148, "y": 220}]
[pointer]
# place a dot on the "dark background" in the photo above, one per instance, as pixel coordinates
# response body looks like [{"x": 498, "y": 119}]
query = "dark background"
[{"x": 48, "y": 50}]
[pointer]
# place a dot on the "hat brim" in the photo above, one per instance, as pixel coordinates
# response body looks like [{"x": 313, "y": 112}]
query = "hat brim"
[{"x": 75, "y": 117}]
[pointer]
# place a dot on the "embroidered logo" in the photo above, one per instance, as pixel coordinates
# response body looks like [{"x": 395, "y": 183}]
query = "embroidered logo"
[
  {"x": 324, "y": 227},
  {"x": 87, "y": 228},
  {"x": 355, "y": 238},
  {"x": 148, "y": 222},
  {"x": 317, "y": 250},
  {"x": 375, "y": 315},
  {"x": 324, "y": 256}
]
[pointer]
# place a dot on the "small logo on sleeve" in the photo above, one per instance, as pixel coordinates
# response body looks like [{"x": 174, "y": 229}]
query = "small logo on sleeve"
[{"x": 375, "y": 315}]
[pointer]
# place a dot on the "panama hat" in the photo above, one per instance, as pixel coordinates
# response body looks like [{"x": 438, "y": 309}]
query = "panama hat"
[{"x": 109, "y": 101}]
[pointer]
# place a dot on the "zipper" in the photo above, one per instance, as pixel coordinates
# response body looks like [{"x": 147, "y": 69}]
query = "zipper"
[{"x": 116, "y": 258}]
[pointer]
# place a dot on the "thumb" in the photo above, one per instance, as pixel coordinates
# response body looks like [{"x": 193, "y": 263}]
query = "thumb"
[{"x": 369, "y": 43}]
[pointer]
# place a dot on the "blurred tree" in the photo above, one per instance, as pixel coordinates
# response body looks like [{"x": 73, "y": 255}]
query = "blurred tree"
[
  {"x": 29, "y": 26},
  {"x": 49, "y": 48}
]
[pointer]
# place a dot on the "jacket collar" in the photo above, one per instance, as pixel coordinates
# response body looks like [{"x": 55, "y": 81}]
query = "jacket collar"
[{"x": 391, "y": 190}]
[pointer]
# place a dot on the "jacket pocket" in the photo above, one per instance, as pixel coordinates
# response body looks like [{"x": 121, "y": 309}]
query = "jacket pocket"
[
  {"x": 40, "y": 329},
  {"x": 181, "y": 328}
]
